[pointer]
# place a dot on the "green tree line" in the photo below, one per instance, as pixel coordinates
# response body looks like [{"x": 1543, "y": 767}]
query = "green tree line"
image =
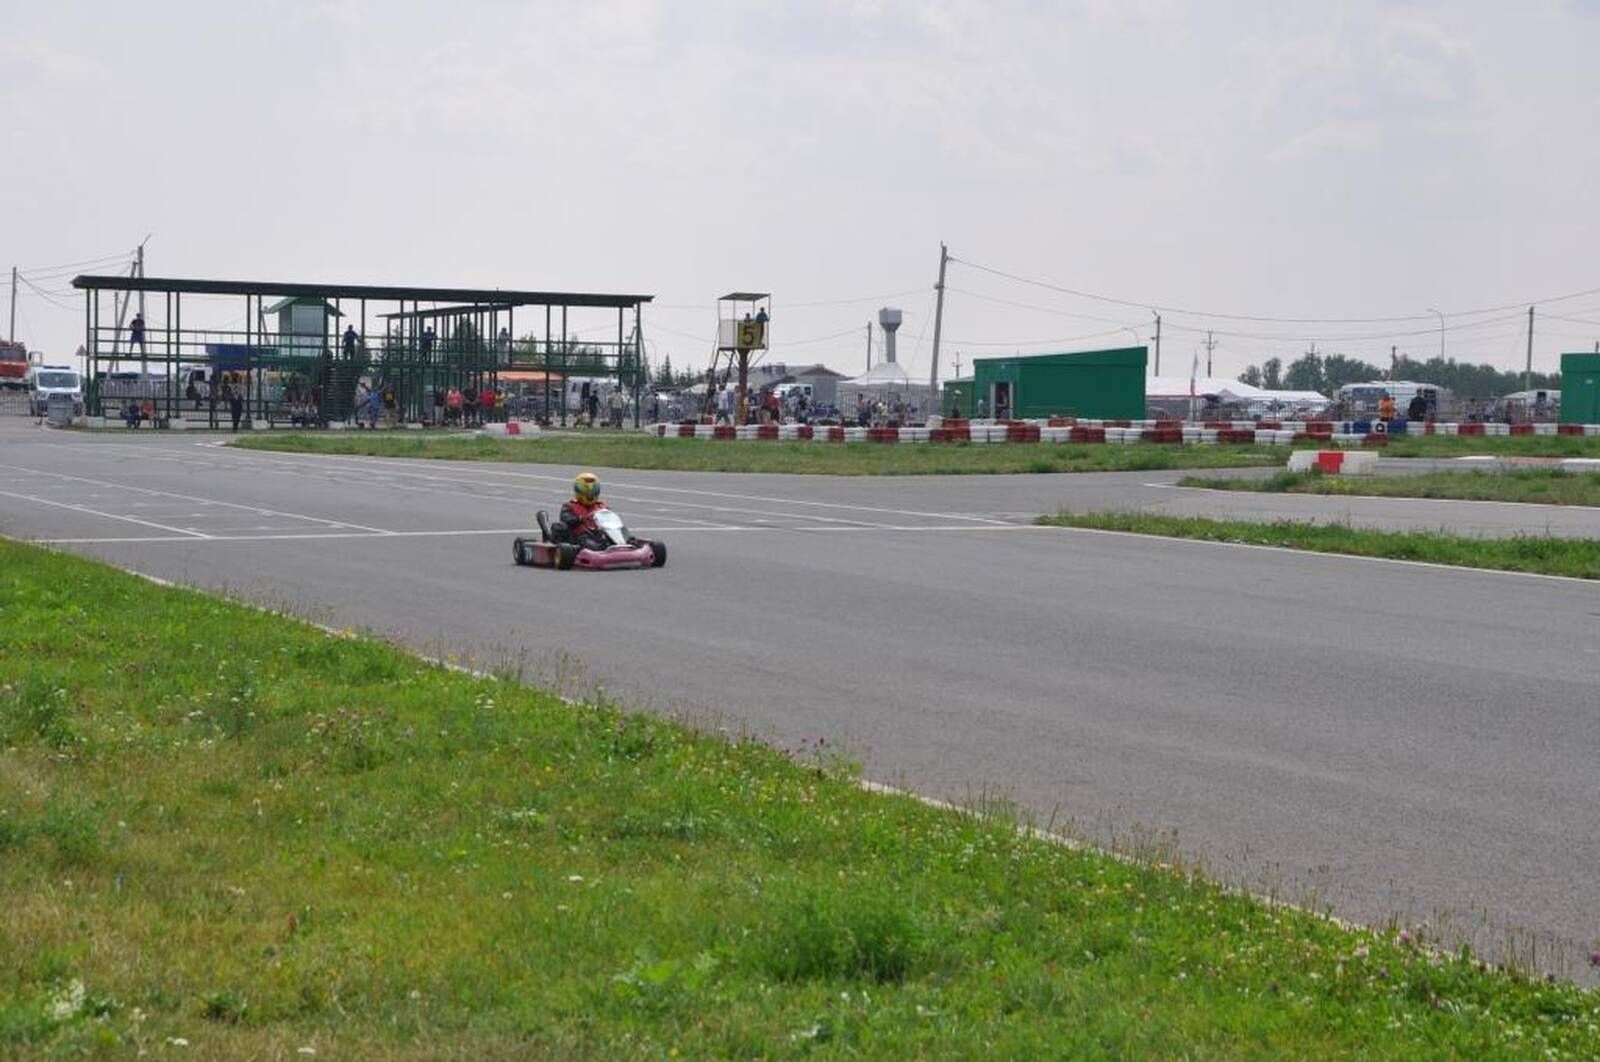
[{"x": 1327, "y": 373}]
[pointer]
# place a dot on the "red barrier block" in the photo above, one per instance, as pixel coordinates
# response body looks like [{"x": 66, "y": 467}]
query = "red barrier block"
[
  {"x": 1522, "y": 429},
  {"x": 686, "y": 431},
  {"x": 1117, "y": 424},
  {"x": 1569, "y": 429},
  {"x": 724, "y": 431},
  {"x": 833, "y": 433},
  {"x": 1021, "y": 433},
  {"x": 806, "y": 432},
  {"x": 1164, "y": 435},
  {"x": 1470, "y": 429},
  {"x": 1377, "y": 438},
  {"x": 1087, "y": 435},
  {"x": 1319, "y": 427},
  {"x": 767, "y": 431},
  {"x": 1269, "y": 425},
  {"x": 1063, "y": 422},
  {"x": 883, "y": 435}
]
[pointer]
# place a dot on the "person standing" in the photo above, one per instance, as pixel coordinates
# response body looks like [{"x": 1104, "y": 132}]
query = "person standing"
[
  {"x": 593, "y": 407},
  {"x": 351, "y": 341},
  {"x": 235, "y": 400},
  {"x": 136, "y": 333},
  {"x": 618, "y": 405},
  {"x": 1386, "y": 407}
]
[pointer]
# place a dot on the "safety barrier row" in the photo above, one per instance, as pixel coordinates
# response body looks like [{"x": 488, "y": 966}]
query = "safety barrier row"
[{"x": 1168, "y": 432}]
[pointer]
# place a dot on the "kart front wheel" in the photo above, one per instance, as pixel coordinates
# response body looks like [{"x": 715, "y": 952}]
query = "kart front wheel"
[
  {"x": 658, "y": 554},
  {"x": 566, "y": 556}
]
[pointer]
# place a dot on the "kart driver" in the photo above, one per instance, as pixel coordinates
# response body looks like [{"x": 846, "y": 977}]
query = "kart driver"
[{"x": 577, "y": 516}]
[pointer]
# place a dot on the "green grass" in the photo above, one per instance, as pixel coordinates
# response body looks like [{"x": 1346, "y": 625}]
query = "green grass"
[
  {"x": 226, "y": 827},
  {"x": 1498, "y": 445},
  {"x": 1544, "y": 486},
  {"x": 1575, "y": 557},
  {"x": 602, "y": 450}
]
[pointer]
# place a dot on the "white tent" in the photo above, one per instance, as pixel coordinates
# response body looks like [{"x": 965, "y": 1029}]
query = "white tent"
[
  {"x": 1172, "y": 388},
  {"x": 886, "y": 380}
]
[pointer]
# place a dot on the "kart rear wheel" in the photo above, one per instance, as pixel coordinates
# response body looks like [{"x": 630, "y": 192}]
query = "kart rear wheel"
[
  {"x": 658, "y": 554},
  {"x": 566, "y": 555},
  {"x": 518, "y": 554}
]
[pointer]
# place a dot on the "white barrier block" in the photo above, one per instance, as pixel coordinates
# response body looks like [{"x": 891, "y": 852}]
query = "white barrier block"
[
  {"x": 1335, "y": 462},
  {"x": 1545, "y": 429},
  {"x": 1591, "y": 429}
]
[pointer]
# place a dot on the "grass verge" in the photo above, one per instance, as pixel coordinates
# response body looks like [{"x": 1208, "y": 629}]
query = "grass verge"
[
  {"x": 227, "y": 830},
  {"x": 1542, "y": 486},
  {"x": 833, "y": 459},
  {"x": 1574, "y": 557},
  {"x": 1498, "y": 445}
]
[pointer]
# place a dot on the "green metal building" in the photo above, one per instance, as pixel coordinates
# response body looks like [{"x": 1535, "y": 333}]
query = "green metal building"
[
  {"x": 1103, "y": 384},
  {"x": 1580, "y": 388}
]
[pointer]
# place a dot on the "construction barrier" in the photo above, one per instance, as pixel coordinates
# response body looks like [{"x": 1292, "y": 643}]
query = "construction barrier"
[{"x": 1334, "y": 462}]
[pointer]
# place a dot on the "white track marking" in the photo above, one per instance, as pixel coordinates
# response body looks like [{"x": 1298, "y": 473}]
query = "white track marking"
[
  {"x": 323, "y": 535},
  {"x": 258, "y": 510},
  {"x": 388, "y": 464},
  {"x": 192, "y": 535}
]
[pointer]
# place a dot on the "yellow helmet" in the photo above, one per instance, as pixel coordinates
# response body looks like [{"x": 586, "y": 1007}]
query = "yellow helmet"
[{"x": 586, "y": 487}]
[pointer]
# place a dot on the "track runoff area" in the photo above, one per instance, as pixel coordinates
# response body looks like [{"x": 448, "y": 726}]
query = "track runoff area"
[{"x": 1390, "y": 739}]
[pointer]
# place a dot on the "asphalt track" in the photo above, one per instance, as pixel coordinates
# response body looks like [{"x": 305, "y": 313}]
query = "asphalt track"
[{"x": 1387, "y": 738}]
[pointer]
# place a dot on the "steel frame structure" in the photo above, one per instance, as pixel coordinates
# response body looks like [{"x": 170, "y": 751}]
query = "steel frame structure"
[{"x": 464, "y": 348}]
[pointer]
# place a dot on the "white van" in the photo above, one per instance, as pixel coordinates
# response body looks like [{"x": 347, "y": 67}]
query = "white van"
[{"x": 55, "y": 380}]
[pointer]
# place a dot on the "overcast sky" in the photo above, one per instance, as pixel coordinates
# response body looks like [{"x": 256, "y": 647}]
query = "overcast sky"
[{"x": 1271, "y": 160}]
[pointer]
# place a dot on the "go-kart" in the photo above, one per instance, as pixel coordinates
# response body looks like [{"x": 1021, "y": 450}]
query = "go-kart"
[{"x": 610, "y": 545}]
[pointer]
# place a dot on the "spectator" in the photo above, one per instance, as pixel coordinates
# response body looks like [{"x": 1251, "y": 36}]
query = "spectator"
[
  {"x": 147, "y": 411},
  {"x": 618, "y": 405},
  {"x": 770, "y": 405},
  {"x": 983, "y": 408},
  {"x": 486, "y": 403},
  {"x": 655, "y": 409},
  {"x": 863, "y": 414},
  {"x": 231, "y": 394},
  {"x": 351, "y": 341},
  {"x": 761, "y": 315},
  {"x": 504, "y": 343},
  {"x": 592, "y": 407},
  {"x": 1386, "y": 407},
  {"x": 499, "y": 405},
  {"x": 391, "y": 406},
  {"x": 469, "y": 405},
  {"x": 1417, "y": 409},
  {"x": 374, "y": 407},
  {"x": 452, "y": 406},
  {"x": 136, "y": 333},
  {"x": 360, "y": 409},
  {"x": 724, "y": 405},
  {"x": 427, "y": 341},
  {"x": 130, "y": 414}
]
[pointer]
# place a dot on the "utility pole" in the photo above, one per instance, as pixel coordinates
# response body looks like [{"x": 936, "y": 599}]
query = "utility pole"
[
  {"x": 1527, "y": 371},
  {"x": 1158, "y": 345},
  {"x": 869, "y": 346},
  {"x": 1211, "y": 344},
  {"x": 938, "y": 327},
  {"x": 144, "y": 364},
  {"x": 958, "y": 366},
  {"x": 12, "y": 334}
]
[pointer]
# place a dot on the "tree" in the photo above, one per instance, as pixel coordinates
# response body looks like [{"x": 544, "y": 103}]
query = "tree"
[
  {"x": 1272, "y": 374},
  {"x": 1304, "y": 374},
  {"x": 1339, "y": 369},
  {"x": 664, "y": 377},
  {"x": 1251, "y": 376}
]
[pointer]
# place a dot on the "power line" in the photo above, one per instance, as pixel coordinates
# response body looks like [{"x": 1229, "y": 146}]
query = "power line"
[
  {"x": 102, "y": 260},
  {"x": 1266, "y": 320}
]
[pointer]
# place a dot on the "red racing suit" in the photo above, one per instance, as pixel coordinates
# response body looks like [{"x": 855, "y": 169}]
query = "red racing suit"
[{"x": 577, "y": 516}]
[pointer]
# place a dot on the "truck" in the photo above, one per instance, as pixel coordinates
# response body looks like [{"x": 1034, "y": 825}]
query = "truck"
[
  {"x": 55, "y": 380},
  {"x": 13, "y": 365}
]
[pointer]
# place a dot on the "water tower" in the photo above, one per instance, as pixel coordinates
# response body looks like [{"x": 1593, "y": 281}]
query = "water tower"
[{"x": 889, "y": 321}]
